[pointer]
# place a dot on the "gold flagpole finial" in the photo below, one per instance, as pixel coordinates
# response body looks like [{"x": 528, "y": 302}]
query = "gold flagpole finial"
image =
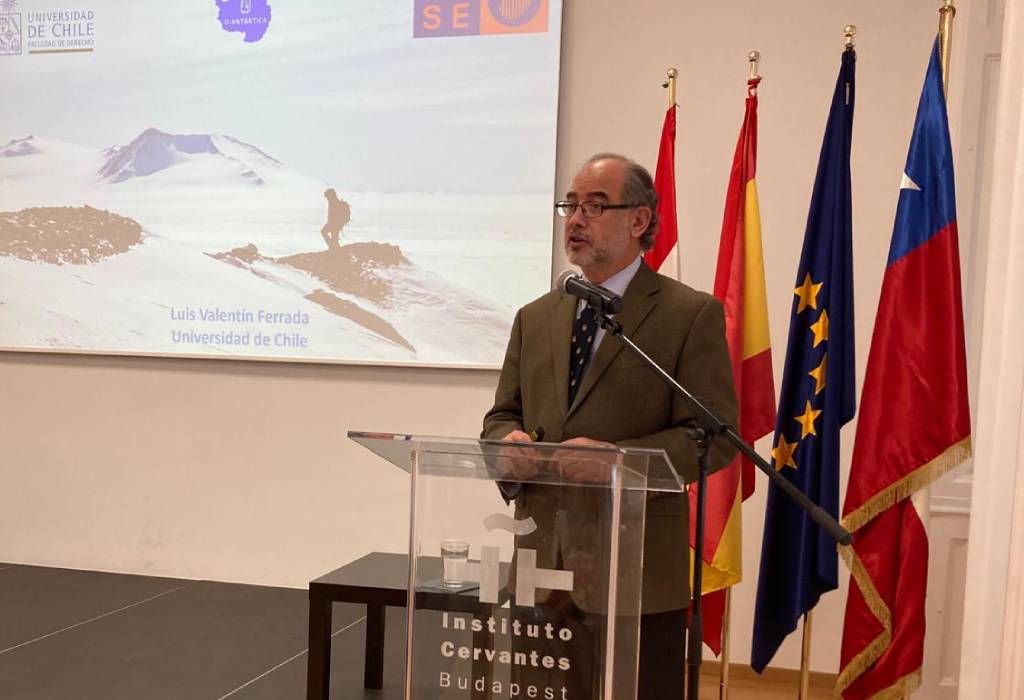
[
  {"x": 754, "y": 57},
  {"x": 850, "y": 31},
  {"x": 946, "y": 14},
  {"x": 670, "y": 83}
]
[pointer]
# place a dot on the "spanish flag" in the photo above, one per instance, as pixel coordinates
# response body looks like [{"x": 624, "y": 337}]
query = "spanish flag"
[{"x": 739, "y": 285}]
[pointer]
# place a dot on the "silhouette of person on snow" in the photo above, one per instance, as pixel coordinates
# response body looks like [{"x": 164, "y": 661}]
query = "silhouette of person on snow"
[{"x": 338, "y": 214}]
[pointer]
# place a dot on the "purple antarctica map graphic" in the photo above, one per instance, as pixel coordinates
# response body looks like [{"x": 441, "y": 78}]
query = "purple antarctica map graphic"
[
  {"x": 189, "y": 220},
  {"x": 251, "y": 17}
]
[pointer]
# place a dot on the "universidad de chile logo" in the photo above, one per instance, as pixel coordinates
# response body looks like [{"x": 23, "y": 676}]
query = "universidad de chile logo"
[{"x": 10, "y": 28}]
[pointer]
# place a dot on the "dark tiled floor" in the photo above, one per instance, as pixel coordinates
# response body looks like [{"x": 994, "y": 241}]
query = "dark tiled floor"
[
  {"x": 38, "y": 600},
  {"x": 82, "y": 635}
]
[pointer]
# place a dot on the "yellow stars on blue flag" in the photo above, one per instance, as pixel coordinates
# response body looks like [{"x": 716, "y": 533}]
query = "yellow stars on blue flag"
[
  {"x": 798, "y": 559},
  {"x": 806, "y": 421},
  {"x": 807, "y": 294},
  {"x": 820, "y": 328},
  {"x": 782, "y": 455},
  {"x": 819, "y": 375},
  {"x": 807, "y": 298}
]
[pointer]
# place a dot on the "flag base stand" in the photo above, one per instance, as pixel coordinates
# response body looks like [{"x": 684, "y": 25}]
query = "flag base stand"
[{"x": 709, "y": 426}]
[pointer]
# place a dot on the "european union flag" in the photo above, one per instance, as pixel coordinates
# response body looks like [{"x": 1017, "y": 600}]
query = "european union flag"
[{"x": 798, "y": 560}]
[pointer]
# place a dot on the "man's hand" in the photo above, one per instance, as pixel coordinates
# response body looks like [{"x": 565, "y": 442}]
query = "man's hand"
[
  {"x": 585, "y": 472},
  {"x": 517, "y": 436},
  {"x": 589, "y": 442},
  {"x": 513, "y": 462}
]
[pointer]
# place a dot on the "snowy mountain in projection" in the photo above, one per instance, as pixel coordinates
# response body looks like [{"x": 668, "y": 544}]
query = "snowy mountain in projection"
[
  {"x": 230, "y": 251},
  {"x": 19, "y": 147},
  {"x": 154, "y": 150}
]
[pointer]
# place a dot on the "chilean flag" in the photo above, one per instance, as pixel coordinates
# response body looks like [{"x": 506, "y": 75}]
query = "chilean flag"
[{"x": 914, "y": 421}]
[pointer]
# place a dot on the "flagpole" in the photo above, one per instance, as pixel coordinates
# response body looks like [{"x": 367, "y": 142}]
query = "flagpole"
[
  {"x": 946, "y": 14},
  {"x": 805, "y": 659},
  {"x": 753, "y": 58},
  {"x": 670, "y": 83},
  {"x": 849, "y": 32},
  {"x": 723, "y": 678},
  {"x": 807, "y": 631}
]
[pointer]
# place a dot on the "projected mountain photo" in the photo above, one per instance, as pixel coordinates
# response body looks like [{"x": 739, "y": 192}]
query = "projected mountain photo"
[
  {"x": 303, "y": 181},
  {"x": 204, "y": 244},
  {"x": 154, "y": 151}
]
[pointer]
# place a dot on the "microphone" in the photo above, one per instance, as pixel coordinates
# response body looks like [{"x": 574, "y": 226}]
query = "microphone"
[{"x": 603, "y": 300}]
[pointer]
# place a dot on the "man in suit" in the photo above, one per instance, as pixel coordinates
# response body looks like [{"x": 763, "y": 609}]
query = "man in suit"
[{"x": 561, "y": 374}]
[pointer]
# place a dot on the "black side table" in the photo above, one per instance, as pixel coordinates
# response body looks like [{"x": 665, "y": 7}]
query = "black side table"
[{"x": 375, "y": 580}]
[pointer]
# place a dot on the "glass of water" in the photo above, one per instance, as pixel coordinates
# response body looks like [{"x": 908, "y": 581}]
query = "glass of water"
[{"x": 454, "y": 557}]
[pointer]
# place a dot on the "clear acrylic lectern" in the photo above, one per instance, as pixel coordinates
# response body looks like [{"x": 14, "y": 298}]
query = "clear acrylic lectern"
[{"x": 525, "y": 564}]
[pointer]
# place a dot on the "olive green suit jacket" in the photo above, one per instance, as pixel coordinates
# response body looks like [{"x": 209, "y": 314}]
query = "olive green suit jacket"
[{"x": 621, "y": 401}]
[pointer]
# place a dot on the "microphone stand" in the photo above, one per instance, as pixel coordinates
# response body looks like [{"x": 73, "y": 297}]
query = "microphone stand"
[{"x": 711, "y": 426}]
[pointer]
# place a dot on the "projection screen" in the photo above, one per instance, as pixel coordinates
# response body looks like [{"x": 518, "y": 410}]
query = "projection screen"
[{"x": 366, "y": 182}]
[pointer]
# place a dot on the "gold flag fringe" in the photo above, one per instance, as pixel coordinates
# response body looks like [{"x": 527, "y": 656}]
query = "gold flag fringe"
[
  {"x": 901, "y": 688},
  {"x": 859, "y": 664},
  {"x": 908, "y": 485},
  {"x": 884, "y": 499},
  {"x": 873, "y": 651}
]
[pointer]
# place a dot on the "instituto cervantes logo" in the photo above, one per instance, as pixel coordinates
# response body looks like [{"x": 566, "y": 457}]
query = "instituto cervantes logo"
[
  {"x": 528, "y": 576},
  {"x": 528, "y": 643},
  {"x": 249, "y": 17},
  {"x": 10, "y": 28}
]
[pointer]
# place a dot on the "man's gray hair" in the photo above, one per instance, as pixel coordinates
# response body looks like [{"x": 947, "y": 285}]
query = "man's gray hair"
[{"x": 638, "y": 189}]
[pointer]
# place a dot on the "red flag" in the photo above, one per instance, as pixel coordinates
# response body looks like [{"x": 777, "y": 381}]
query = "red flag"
[
  {"x": 665, "y": 184},
  {"x": 914, "y": 421},
  {"x": 740, "y": 286}
]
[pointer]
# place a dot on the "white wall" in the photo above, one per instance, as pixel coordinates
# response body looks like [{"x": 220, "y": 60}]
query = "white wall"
[
  {"x": 241, "y": 472},
  {"x": 992, "y": 656}
]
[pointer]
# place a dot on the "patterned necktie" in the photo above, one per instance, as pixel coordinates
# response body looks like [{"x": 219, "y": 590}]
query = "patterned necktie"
[{"x": 583, "y": 332}]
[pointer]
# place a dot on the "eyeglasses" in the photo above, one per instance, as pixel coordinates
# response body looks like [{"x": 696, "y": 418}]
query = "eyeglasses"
[{"x": 591, "y": 210}]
